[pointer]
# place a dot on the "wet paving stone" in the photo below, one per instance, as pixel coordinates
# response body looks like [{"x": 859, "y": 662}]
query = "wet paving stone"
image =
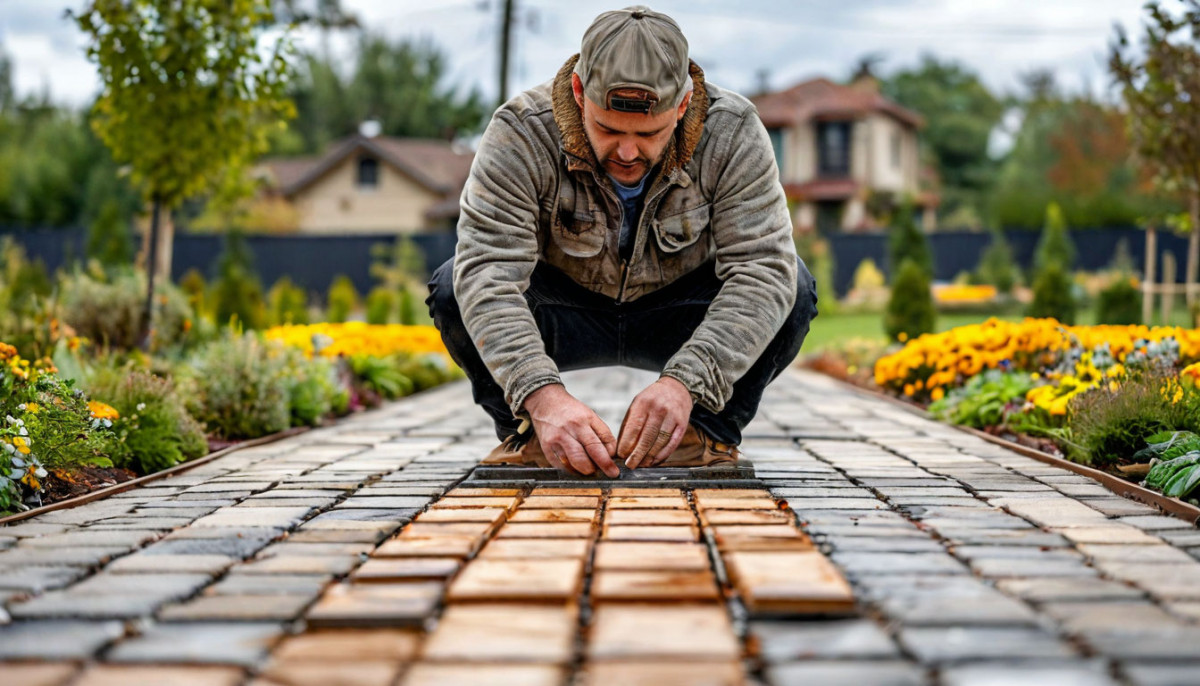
[{"x": 847, "y": 673}]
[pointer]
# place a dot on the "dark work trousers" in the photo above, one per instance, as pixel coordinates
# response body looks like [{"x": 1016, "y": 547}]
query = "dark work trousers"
[{"x": 583, "y": 329}]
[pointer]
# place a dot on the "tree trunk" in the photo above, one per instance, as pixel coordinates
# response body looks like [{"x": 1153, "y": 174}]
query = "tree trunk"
[{"x": 152, "y": 265}]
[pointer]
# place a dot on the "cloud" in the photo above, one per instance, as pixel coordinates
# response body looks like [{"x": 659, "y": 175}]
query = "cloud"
[{"x": 1000, "y": 39}]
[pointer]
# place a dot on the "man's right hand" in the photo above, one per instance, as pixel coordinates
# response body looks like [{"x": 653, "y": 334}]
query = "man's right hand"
[{"x": 572, "y": 436}]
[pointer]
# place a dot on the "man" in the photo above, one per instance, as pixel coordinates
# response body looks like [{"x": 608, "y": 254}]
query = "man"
[{"x": 626, "y": 212}]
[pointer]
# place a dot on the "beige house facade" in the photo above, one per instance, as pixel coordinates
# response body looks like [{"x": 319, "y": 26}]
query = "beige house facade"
[
  {"x": 842, "y": 150},
  {"x": 365, "y": 185}
]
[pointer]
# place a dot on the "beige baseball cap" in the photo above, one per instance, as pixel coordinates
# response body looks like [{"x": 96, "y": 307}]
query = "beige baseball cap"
[{"x": 634, "y": 48}]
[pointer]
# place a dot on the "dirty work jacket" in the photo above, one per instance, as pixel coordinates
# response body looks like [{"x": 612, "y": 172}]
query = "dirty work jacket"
[{"x": 536, "y": 192}]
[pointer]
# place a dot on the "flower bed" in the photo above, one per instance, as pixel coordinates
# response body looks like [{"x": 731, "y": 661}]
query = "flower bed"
[
  {"x": 114, "y": 417},
  {"x": 1100, "y": 395}
]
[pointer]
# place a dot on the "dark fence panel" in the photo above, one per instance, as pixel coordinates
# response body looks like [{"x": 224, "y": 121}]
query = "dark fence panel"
[
  {"x": 959, "y": 251},
  {"x": 314, "y": 261}
]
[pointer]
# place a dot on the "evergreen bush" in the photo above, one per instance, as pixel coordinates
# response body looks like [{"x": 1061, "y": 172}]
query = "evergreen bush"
[
  {"x": 996, "y": 266},
  {"x": 288, "y": 303},
  {"x": 910, "y": 310},
  {"x": 381, "y": 303},
  {"x": 343, "y": 300},
  {"x": 1052, "y": 295},
  {"x": 907, "y": 241},
  {"x": 1120, "y": 303},
  {"x": 237, "y": 292},
  {"x": 241, "y": 387}
]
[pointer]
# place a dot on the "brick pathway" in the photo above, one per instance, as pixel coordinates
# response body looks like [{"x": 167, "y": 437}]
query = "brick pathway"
[{"x": 371, "y": 553}]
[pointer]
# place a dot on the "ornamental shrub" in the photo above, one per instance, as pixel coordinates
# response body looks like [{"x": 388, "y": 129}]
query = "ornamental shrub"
[
  {"x": 343, "y": 299},
  {"x": 381, "y": 303},
  {"x": 109, "y": 311},
  {"x": 907, "y": 241},
  {"x": 1120, "y": 303},
  {"x": 313, "y": 387},
  {"x": 996, "y": 265},
  {"x": 910, "y": 310},
  {"x": 154, "y": 430},
  {"x": 241, "y": 389},
  {"x": 287, "y": 302},
  {"x": 237, "y": 292},
  {"x": 1054, "y": 246},
  {"x": 1052, "y": 296}
]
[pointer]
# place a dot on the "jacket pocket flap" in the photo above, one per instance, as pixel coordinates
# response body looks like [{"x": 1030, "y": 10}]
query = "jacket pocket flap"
[{"x": 678, "y": 231}]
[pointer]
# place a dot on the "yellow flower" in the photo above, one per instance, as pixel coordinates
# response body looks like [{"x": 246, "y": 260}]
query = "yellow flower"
[
  {"x": 937, "y": 393},
  {"x": 102, "y": 411},
  {"x": 32, "y": 408},
  {"x": 21, "y": 444}
]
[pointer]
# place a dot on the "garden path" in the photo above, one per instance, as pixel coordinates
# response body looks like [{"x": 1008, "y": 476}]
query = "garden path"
[{"x": 298, "y": 562}]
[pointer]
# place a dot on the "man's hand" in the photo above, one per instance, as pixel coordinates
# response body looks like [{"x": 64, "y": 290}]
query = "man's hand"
[
  {"x": 573, "y": 437},
  {"x": 655, "y": 423}
]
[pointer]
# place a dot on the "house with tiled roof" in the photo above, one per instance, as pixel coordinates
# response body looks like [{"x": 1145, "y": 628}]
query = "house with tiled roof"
[
  {"x": 843, "y": 149},
  {"x": 370, "y": 184}
]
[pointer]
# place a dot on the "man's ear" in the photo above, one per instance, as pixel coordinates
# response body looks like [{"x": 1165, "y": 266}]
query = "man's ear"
[
  {"x": 687, "y": 99},
  {"x": 577, "y": 88}
]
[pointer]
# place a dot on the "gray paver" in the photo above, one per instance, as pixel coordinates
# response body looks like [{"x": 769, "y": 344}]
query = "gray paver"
[
  {"x": 790, "y": 641},
  {"x": 958, "y": 644},
  {"x": 56, "y": 640},
  {"x": 836, "y": 673},
  {"x": 202, "y": 642}
]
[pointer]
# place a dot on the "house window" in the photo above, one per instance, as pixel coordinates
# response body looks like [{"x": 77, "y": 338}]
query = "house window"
[
  {"x": 833, "y": 141},
  {"x": 895, "y": 150},
  {"x": 777, "y": 145},
  {"x": 368, "y": 172}
]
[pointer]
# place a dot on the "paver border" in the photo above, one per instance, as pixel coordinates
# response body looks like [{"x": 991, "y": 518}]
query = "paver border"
[
  {"x": 143, "y": 480},
  {"x": 1117, "y": 486}
]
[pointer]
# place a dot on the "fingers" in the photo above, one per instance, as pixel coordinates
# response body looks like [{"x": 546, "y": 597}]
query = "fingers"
[
  {"x": 631, "y": 426},
  {"x": 600, "y": 448},
  {"x": 646, "y": 440},
  {"x": 676, "y": 438},
  {"x": 556, "y": 458}
]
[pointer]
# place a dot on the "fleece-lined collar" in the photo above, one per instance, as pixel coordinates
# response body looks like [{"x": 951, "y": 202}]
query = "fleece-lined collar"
[{"x": 575, "y": 143}]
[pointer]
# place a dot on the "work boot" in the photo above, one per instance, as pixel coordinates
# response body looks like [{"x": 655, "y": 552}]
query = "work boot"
[
  {"x": 518, "y": 450},
  {"x": 698, "y": 449}
]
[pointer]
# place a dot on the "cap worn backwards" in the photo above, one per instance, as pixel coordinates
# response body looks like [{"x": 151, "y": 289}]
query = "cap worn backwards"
[{"x": 634, "y": 48}]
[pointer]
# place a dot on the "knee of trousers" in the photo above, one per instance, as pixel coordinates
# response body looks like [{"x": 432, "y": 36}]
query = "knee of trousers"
[
  {"x": 805, "y": 308},
  {"x": 441, "y": 300}
]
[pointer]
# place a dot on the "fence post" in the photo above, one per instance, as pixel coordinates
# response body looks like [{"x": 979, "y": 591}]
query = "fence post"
[
  {"x": 1168, "y": 288},
  {"x": 1148, "y": 276}
]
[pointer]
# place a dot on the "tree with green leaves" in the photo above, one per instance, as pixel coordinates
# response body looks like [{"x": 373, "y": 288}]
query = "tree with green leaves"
[
  {"x": 400, "y": 84},
  {"x": 189, "y": 91},
  {"x": 960, "y": 113},
  {"x": 1160, "y": 84}
]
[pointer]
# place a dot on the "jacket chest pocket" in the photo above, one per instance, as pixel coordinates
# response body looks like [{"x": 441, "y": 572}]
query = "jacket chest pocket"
[
  {"x": 678, "y": 231},
  {"x": 578, "y": 225}
]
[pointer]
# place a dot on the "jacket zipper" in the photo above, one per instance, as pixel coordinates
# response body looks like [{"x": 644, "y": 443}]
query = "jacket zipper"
[{"x": 636, "y": 230}]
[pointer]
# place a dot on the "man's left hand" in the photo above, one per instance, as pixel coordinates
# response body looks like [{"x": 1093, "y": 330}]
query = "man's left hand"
[{"x": 655, "y": 423}]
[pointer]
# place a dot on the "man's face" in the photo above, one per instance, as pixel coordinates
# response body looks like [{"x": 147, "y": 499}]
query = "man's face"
[{"x": 627, "y": 144}]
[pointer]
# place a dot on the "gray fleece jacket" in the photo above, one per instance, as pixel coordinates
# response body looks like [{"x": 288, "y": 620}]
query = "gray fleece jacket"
[{"x": 536, "y": 192}]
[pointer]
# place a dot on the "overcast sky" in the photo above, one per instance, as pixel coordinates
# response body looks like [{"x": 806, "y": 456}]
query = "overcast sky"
[{"x": 732, "y": 41}]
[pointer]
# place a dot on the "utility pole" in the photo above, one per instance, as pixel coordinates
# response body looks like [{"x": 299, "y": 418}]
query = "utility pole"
[{"x": 505, "y": 44}]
